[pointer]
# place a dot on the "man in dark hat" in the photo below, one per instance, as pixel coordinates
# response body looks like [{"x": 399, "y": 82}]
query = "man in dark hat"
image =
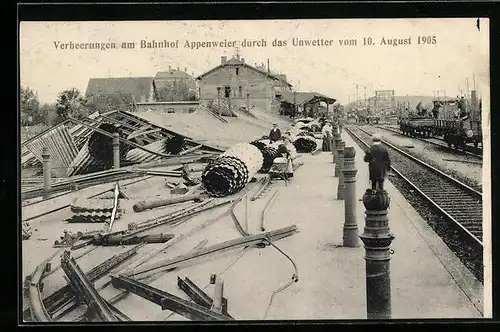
[
  {"x": 275, "y": 133},
  {"x": 379, "y": 162}
]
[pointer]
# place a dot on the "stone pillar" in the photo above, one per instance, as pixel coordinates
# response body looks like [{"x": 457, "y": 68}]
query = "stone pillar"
[
  {"x": 350, "y": 238},
  {"x": 116, "y": 151},
  {"x": 47, "y": 183},
  {"x": 336, "y": 139},
  {"x": 377, "y": 239},
  {"x": 340, "y": 163},
  {"x": 338, "y": 143}
]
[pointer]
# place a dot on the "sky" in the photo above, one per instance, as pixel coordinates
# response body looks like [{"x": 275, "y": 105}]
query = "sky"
[{"x": 460, "y": 52}]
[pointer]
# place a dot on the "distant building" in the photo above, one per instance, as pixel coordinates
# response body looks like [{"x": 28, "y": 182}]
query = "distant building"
[
  {"x": 175, "y": 85},
  {"x": 142, "y": 89},
  {"x": 258, "y": 84},
  {"x": 305, "y": 104}
]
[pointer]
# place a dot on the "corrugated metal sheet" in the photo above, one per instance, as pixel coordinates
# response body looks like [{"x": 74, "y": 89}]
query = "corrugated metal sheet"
[
  {"x": 140, "y": 156},
  {"x": 61, "y": 147},
  {"x": 81, "y": 161},
  {"x": 78, "y": 132}
]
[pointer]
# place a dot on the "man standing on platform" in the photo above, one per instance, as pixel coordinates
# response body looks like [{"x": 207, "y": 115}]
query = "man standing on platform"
[
  {"x": 275, "y": 134},
  {"x": 379, "y": 162},
  {"x": 327, "y": 135}
]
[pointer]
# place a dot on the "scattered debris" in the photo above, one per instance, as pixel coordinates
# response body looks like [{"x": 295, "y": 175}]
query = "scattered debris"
[
  {"x": 27, "y": 232},
  {"x": 166, "y": 300},
  {"x": 85, "y": 291},
  {"x": 93, "y": 210},
  {"x": 180, "y": 189}
]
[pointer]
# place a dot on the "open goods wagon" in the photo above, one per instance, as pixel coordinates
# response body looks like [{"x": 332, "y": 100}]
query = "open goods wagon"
[{"x": 447, "y": 124}]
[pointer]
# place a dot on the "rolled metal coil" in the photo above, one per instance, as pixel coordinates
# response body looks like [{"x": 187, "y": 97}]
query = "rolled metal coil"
[
  {"x": 306, "y": 133},
  {"x": 268, "y": 155},
  {"x": 305, "y": 144},
  {"x": 232, "y": 170}
]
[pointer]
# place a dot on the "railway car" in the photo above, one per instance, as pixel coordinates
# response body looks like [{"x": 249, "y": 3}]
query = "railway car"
[{"x": 447, "y": 121}]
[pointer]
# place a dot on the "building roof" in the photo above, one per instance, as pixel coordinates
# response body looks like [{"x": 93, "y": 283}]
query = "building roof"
[
  {"x": 236, "y": 62},
  {"x": 305, "y": 97},
  {"x": 171, "y": 74},
  {"x": 137, "y": 86}
]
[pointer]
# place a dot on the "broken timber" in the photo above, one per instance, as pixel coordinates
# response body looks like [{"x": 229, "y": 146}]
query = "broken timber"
[
  {"x": 166, "y": 300},
  {"x": 218, "y": 248}
]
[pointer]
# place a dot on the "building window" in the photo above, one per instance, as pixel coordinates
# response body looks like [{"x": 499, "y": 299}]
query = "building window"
[
  {"x": 237, "y": 71},
  {"x": 240, "y": 91}
]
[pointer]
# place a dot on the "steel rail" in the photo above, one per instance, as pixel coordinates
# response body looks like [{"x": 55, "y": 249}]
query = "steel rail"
[
  {"x": 423, "y": 163},
  {"x": 37, "y": 308},
  {"x": 245, "y": 193},
  {"x": 421, "y": 192},
  {"x": 266, "y": 208},
  {"x": 426, "y": 140},
  {"x": 217, "y": 248},
  {"x": 85, "y": 289},
  {"x": 64, "y": 296},
  {"x": 265, "y": 185},
  {"x": 167, "y": 301}
]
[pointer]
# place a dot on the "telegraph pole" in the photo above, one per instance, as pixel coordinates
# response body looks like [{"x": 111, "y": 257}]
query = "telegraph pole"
[{"x": 357, "y": 99}]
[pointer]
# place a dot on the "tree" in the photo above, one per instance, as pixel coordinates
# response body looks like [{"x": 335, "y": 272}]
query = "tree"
[
  {"x": 48, "y": 114},
  {"x": 109, "y": 102},
  {"x": 29, "y": 107},
  {"x": 178, "y": 90},
  {"x": 70, "y": 103}
]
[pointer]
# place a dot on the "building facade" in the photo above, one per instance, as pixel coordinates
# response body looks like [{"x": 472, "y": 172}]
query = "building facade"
[
  {"x": 141, "y": 89},
  {"x": 248, "y": 85}
]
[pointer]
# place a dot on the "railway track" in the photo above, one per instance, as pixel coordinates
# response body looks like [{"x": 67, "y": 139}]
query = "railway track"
[
  {"x": 459, "y": 203},
  {"x": 471, "y": 151}
]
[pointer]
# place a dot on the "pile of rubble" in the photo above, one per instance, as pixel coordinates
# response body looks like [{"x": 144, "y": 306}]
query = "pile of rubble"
[{"x": 198, "y": 179}]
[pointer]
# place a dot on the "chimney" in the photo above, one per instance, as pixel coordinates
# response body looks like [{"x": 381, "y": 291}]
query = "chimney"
[
  {"x": 177, "y": 68},
  {"x": 243, "y": 60},
  {"x": 169, "y": 68},
  {"x": 223, "y": 60},
  {"x": 268, "y": 69},
  {"x": 185, "y": 69}
]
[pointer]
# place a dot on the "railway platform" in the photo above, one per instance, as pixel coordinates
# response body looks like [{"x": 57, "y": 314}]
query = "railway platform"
[{"x": 427, "y": 279}]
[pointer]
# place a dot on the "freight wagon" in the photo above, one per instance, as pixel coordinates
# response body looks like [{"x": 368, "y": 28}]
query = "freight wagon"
[{"x": 445, "y": 122}]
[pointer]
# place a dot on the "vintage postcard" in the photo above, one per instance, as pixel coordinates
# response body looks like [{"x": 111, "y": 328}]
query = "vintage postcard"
[{"x": 327, "y": 169}]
